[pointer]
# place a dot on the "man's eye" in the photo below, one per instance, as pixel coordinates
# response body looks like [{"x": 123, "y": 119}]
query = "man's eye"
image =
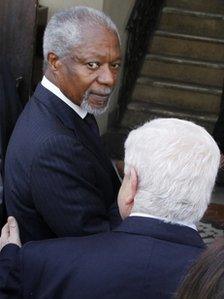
[
  {"x": 115, "y": 65},
  {"x": 93, "y": 65}
]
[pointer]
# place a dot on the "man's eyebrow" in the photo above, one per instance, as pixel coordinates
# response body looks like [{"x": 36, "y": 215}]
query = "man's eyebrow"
[
  {"x": 119, "y": 58},
  {"x": 76, "y": 57},
  {"x": 93, "y": 57}
]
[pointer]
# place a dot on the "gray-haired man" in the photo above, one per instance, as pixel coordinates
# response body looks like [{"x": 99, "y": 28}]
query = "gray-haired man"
[{"x": 58, "y": 179}]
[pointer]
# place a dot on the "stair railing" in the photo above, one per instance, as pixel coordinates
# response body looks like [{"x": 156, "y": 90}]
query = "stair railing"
[
  {"x": 218, "y": 132},
  {"x": 141, "y": 26}
]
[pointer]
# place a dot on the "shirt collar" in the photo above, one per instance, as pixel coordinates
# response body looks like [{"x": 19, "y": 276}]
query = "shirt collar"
[
  {"x": 55, "y": 90},
  {"x": 164, "y": 220}
]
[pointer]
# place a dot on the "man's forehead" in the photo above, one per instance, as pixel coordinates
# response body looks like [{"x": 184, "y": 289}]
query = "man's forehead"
[
  {"x": 90, "y": 53},
  {"x": 98, "y": 47},
  {"x": 99, "y": 34}
]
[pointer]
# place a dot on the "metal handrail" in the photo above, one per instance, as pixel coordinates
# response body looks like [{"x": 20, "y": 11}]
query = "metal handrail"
[{"x": 141, "y": 26}]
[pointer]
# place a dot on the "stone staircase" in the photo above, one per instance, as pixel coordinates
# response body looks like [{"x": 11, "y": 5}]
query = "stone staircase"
[{"x": 182, "y": 75}]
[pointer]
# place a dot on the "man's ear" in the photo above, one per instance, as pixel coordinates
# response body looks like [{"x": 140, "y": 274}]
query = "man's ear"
[
  {"x": 127, "y": 193},
  {"x": 53, "y": 61},
  {"x": 132, "y": 188},
  {"x": 133, "y": 182}
]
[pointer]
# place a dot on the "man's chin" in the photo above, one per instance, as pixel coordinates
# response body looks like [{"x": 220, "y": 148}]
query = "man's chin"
[
  {"x": 95, "y": 107},
  {"x": 97, "y": 111}
]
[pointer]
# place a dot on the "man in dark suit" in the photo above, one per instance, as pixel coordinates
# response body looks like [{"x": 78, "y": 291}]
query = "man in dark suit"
[
  {"x": 58, "y": 180},
  {"x": 10, "y": 108},
  {"x": 170, "y": 169}
]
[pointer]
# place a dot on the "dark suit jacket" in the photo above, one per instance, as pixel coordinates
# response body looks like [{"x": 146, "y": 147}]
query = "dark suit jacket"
[
  {"x": 142, "y": 258},
  {"x": 10, "y": 105},
  {"x": 58, "y": 180},
  {"x": 10, "y": 108}
]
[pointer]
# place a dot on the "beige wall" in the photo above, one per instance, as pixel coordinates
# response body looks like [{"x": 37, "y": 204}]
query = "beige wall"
[
  {"x": 119, "y": 11},
  {"x": 56, "y": 5}
]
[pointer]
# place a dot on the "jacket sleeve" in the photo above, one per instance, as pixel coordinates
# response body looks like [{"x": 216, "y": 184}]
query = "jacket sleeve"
[
  {"x": 64, "y": 189},
  {"x": 10, "y": 272}
]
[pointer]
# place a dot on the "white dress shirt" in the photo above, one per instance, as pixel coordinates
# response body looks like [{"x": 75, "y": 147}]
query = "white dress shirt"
[
  {"x": 55, "y": 90},
  {"x": 164, "y": 220}
]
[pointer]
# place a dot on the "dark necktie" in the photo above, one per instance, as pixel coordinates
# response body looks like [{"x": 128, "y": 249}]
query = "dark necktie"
[{"x": 91, "y": 122}]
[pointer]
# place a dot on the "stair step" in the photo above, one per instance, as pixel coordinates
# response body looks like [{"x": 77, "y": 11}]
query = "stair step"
[
  {"x": 185, "y": 70},
  {"x": 182, "y": 45},
  {"x": 210, "y": 6},
  {"x": 138, "y": 113},
  {"x": 182, "y": 95},
  {"x": 188, "y": 22}
]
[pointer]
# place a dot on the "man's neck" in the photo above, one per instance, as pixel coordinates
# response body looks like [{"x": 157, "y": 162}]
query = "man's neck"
[
  {"x": 139, "y": 214},
  {"x": 56, "y": 91},
  {"x": 49, "y": 75}
]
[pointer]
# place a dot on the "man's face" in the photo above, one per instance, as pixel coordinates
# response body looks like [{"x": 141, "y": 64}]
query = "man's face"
[{"x": 87, "y": 76}]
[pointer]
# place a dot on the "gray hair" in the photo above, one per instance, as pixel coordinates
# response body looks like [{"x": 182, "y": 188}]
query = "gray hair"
[
  {"x": 64, "y": 30},
  {"x": 176, "y": 162}
]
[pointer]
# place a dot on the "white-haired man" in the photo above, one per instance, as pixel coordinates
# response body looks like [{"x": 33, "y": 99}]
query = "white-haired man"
[
  {"x": 58, "y": 180},
  {"x": 170, "y": 170}
]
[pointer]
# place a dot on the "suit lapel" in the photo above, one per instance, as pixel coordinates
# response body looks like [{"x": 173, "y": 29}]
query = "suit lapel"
[{"x": 74, "y": 122}]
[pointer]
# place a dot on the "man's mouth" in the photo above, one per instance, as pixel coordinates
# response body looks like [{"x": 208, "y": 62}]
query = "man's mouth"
[
  {"x": 100, "y": 95},
  {"x": 98, "y": 99}
]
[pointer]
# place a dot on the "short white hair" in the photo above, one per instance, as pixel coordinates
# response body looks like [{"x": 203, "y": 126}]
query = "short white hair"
[
  {"x": 177, "y": 163},
  {"x": 64, "y": 30}
]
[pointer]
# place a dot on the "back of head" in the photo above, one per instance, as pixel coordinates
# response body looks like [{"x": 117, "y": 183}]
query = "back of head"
[
  {"x": 65, "y": 29},
  {"x": 176, "y": 163}
]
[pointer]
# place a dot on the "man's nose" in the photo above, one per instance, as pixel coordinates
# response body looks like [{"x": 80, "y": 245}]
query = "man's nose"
[{"x": 106, "y": 76}]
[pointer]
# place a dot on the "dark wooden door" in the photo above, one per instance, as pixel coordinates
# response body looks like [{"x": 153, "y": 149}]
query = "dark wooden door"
[{"x": 17, "y": 40}]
